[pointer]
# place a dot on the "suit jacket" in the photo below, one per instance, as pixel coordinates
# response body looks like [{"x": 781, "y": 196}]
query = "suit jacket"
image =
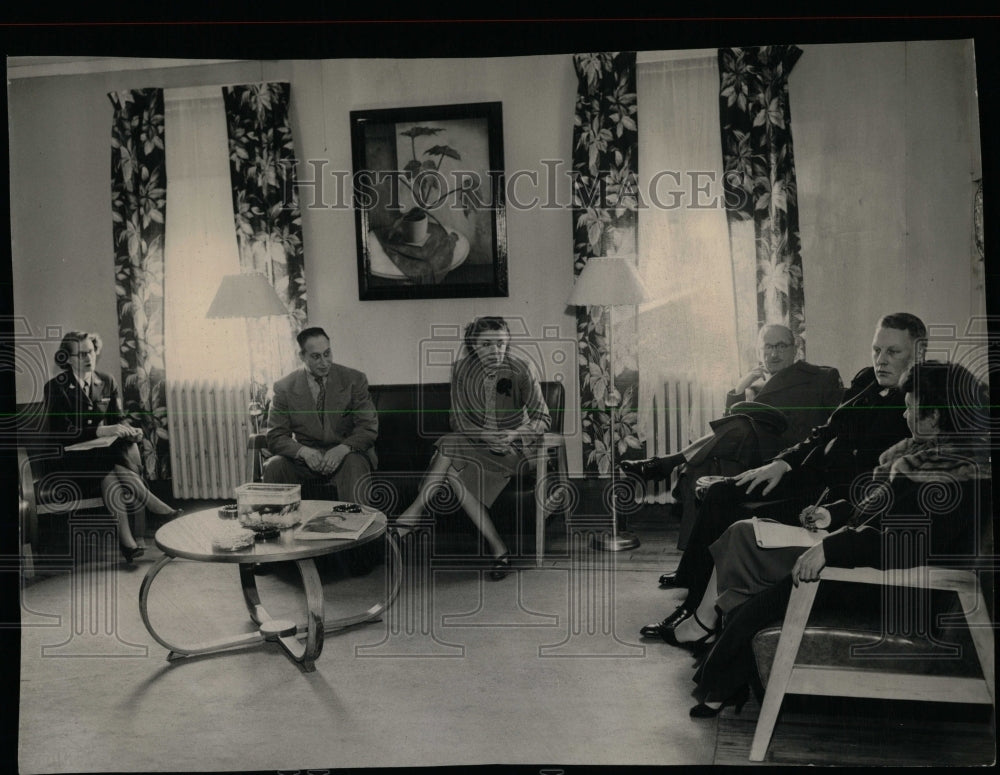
[
  {"x": 72, "y": 414},
  {"x": 849, "y": 444},
  {"x": 349, "y": 416},
  {"x": 805, "y": 394}
]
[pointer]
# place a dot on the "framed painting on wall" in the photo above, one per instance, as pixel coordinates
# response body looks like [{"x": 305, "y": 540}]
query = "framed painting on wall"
[{"x": 429, "y": 201}]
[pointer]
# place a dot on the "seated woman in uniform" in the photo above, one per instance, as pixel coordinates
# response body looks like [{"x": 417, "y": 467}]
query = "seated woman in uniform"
[{"x": 82, "y": 404}]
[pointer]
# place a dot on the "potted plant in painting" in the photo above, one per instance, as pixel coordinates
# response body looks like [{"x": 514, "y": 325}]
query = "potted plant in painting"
[{"x": 424, "y": 181}]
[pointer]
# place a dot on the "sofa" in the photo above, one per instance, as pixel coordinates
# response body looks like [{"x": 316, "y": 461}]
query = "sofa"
[{"x": 412, "y": 418}]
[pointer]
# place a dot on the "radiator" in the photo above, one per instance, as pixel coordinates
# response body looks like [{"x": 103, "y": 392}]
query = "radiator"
[
  {"x": 209, "y": 428},
  {"x": 682, "y": 407}
]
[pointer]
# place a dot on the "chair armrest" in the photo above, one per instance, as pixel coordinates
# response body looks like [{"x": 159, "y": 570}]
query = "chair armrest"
[
  {"x": 256, "y": 441},
  {"x": 549, "y": 441},
  {"x": 26, "y": 493}
]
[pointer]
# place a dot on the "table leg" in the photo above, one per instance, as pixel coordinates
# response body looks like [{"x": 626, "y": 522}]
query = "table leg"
[
  {"x": 376, "y": 611},
  {"x": 314, "y": 626},
  {"x": 249, "y": 583},
  {"x": 307, "y": 653},
  {"x": 175, "y": 651}
]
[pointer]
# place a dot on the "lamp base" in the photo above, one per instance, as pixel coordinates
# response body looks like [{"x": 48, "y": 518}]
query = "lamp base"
[{"x": 617, "y": 542}]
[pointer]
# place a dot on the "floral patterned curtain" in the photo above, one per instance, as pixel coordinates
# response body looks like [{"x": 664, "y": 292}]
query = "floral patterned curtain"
[
  {"x": 605, "y": 162},
  {"x": 138, "y": 202},
  {"x": 268, "y": 220},
  {"x": 760, "y": 177}
]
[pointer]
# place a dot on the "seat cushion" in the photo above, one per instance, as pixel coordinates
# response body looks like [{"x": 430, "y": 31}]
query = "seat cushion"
[{"x": 831, "y": 635}]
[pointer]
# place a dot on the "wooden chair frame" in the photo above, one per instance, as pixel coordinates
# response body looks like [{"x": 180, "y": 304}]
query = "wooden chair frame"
[
  {"x": 787, "y": 677},
  {"x": 550, "y": 443}
]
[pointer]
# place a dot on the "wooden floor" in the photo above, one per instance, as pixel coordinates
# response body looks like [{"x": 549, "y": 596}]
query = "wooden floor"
[{"x": 851, "y": 732}]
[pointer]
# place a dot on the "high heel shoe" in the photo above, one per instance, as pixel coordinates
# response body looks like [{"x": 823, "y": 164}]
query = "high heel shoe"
[
  {"x": 131, "y": 554},
  {"x": 501, "y": 567},
  {"x": 694, "y": 646},
  {"x": 738, "y": 699}
]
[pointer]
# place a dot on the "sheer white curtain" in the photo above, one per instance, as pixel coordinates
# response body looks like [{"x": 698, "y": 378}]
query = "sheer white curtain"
[
  {"x": 690, "y": 328},
  {"x": 200, "y": 243}
]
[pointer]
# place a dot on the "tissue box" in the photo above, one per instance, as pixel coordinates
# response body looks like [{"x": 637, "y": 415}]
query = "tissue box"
[{"x": 262, "y": 506}]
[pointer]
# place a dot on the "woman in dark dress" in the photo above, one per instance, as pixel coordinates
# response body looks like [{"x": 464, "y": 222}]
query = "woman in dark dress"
[
  {"x": 498, "y": 414},
  {"x": 83, "y": 405},
  {"x": 947, "y": 413}
]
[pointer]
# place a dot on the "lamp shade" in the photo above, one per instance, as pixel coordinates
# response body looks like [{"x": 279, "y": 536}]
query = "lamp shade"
[
  {"x": 248, "y": 295},
  {"x": 607, "y": 281}
]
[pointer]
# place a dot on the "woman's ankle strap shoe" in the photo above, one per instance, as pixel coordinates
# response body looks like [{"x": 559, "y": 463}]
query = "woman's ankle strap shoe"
[{"x": 738, "y": 699}]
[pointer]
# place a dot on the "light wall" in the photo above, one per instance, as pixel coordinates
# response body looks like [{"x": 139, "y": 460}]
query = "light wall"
[
  {"x": 886, "y": 146},
  {"x": 886, "y": 154},
  {"x": 61, "y": 211}
]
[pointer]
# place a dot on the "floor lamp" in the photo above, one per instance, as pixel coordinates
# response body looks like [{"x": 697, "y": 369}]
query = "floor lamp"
[
  {"x": 249, "y": 296},
  {"x": 608, "y": 282}
]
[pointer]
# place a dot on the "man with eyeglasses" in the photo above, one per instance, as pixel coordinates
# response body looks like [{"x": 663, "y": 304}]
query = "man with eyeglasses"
[
  {"x": 772, "y": 407},
  {"x": 803, "y": 395},
  {"x": 834, "y": 456}
]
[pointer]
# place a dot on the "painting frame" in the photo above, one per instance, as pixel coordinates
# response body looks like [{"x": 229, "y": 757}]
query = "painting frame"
[{"x": 432, "y": 226}]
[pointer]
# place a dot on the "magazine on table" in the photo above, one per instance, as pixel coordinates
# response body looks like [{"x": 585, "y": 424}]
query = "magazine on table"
[
  {"x": 344, "y": 521},
  {"x": 773, "y": 535}
]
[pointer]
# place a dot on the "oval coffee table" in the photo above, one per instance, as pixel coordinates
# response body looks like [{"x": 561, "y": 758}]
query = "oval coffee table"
[{"x": 190, "y": 537}]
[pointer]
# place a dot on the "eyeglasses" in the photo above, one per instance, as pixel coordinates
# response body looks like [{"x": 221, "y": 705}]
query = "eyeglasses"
[{"x": 780, "y": 347}]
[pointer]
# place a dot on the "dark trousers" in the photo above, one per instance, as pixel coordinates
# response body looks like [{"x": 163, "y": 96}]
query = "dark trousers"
[
  {"x": 723, "y": 504},
  {"x": 349, "y": 479},
  {"x": 730, "y": 663},
  {"x": 735, "y": 445}
]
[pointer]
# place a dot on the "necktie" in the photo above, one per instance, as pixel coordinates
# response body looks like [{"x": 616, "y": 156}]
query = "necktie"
[{"x": 321, "y": 398}]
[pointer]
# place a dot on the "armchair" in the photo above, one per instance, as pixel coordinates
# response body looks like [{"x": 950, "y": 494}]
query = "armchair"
[
  {"x": 41, "y": 491},
  {"x": 824, "y": 658}
]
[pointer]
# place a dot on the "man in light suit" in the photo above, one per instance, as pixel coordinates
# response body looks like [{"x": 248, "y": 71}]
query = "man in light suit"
[{"x": 322, "y": 423}]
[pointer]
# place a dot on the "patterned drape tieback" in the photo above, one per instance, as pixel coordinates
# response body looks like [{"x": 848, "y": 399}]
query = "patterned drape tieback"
[{"x": 321, "y": 397}]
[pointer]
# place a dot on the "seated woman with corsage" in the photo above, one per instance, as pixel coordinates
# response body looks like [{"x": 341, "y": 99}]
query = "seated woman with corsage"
[{"x": 498, "y": 414}]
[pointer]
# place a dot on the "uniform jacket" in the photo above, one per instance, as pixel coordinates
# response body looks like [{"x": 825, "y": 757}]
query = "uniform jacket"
[
  {"x": 349, "y": 416},
  {"x": 72, "y": 414}
]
